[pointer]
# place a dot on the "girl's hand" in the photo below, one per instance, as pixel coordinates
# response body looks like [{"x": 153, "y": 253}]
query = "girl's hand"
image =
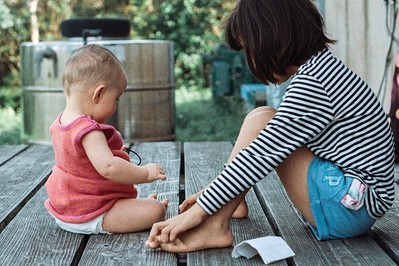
[
  {"x": 155, "y": 172},
  {"x": 189, "y": 202}
]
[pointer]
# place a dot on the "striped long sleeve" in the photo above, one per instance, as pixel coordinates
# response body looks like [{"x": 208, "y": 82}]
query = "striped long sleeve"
[{"x": 332, "y": 111}]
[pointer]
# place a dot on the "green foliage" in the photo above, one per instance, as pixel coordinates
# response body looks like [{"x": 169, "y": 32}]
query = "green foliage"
[
  {"x": 10, "y": 126},
  {"x": 200, "y": 118},
  {"x": 6, "y": 19},
  {"x": 13, "y": 30},
  {"x": 10, "y": 98},
  {"x": 195, "y": 27}
]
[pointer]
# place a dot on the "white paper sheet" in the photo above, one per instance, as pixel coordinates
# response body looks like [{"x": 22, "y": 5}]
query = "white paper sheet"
[{"x": 270, "y": 248}]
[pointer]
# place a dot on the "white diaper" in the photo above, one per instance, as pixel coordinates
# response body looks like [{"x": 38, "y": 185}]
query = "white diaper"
[{"x": 94, "y": 226}]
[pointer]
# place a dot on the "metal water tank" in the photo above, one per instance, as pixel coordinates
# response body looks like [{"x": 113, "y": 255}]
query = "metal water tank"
[{"x": 145, "y": 112}]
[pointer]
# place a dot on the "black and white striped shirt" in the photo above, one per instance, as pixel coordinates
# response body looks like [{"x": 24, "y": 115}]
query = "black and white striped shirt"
[{"x": 332, "y": 111}]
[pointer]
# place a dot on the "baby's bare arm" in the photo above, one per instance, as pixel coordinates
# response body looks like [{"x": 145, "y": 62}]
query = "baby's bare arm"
[{"x": 116, "y": 168}]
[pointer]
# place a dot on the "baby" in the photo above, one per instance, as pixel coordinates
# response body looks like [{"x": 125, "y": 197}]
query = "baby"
[{"x": 91, "y": 189}]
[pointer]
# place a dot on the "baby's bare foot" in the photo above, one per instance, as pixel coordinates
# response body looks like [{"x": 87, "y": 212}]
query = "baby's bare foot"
[
  {"x": 165, "y": 203},
  {"x": 152, "y": 196}
]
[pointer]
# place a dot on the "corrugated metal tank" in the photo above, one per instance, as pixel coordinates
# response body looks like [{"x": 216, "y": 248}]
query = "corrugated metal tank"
[{"x": 145, "y": 112}]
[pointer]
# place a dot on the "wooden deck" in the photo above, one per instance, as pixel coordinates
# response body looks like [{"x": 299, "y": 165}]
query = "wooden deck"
[{"x": 28, "y": 235}]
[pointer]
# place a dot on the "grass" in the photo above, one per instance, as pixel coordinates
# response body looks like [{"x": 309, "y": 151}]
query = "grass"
[
  {"x": 10, "y": 126},
  {"x": 199, "y": 117}
]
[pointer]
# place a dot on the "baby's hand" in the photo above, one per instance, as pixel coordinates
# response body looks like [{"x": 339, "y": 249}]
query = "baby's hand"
[
  {"x": 125, "y": 148},
  {"x": 155, "y": 172}
]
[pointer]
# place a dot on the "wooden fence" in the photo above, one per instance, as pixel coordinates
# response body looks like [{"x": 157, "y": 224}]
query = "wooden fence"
[{"x": 362, "y": 29}]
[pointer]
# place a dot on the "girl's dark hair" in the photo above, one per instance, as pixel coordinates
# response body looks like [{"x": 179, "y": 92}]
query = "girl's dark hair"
[{"x": 276, "y": 34}]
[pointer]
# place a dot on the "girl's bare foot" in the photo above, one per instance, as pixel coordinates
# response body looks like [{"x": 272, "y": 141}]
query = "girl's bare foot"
[
  {"x": 209, "y": 234},
  {"x": 241, "y": 211}
]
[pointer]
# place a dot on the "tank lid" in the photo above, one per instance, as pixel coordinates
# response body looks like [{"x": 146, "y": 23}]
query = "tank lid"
[{"x": 95, "y": 27}]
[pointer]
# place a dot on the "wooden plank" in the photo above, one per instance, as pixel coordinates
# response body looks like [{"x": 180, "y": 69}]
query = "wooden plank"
[
  {"x": 33, "y": 238},
  {"x": 21, "y": 177},
  {"x": 123, "y": 249},
  {"x": 7, "y": 152},
  {"x": 355, "y": 251},
  {"x": 386, "y": 230},
  {"x": 203, "y": 162}
]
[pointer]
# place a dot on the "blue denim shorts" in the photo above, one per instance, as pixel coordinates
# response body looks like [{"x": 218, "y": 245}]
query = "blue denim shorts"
[{"x": 327, "y": 185}]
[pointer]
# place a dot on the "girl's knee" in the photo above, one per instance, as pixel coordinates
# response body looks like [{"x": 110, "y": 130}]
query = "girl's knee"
[
  {"x": 260, "y": 114},
  {"x": 262, "y": 109}
]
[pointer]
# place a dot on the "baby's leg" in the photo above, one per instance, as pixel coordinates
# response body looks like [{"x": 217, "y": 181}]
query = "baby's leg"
[
  {"x": 134, "y": 215},
  {"x": 253, "y": 123}
]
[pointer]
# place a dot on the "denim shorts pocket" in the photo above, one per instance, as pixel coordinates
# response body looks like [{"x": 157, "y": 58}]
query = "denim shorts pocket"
[{"x": 354, "y": 197}]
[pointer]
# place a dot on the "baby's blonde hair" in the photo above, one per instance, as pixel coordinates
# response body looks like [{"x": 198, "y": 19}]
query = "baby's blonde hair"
[{"x": 89, "y": 66}]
